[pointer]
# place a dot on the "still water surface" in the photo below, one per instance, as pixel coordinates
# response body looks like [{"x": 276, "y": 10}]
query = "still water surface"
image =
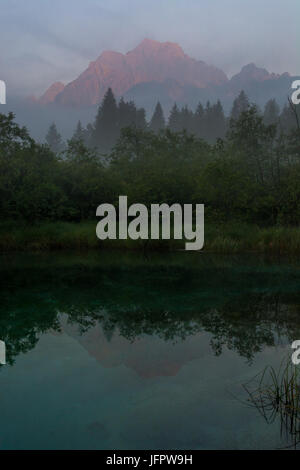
[{"x": 125, "y": 352}]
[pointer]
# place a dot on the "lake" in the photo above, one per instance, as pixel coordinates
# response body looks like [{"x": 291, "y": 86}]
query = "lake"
[{"x": 123, "y": 351}]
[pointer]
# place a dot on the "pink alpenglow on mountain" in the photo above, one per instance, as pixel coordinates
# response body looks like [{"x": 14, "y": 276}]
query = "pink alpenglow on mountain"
[
  {"x": 151, "y": 61},
  {"x": 50, "y": 95}
]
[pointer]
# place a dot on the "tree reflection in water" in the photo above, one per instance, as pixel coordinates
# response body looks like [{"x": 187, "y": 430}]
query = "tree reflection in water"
[{"x": 244, "y": 306}]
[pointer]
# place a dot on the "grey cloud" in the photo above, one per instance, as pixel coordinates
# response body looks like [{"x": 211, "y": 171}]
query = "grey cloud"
[{"x": 47, "y": 40}]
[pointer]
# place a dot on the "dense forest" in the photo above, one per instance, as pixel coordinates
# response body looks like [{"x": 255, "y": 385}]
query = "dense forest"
[
  {"x": 206, "y": 122},
  {"x": 244, "y": 167}
]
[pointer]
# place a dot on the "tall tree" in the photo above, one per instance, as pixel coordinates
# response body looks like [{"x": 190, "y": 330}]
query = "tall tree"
[
  {"x": 54, "y": 139},
  {"x": 271, "y": 112},
  {"x": 208, "y": 122},
  {"x": 254, "y": 141},
  {"x": 130, "y": 116},
  {"x": 287, "y": 119},
  {"x": 218, "y": 122},
  {"x": 79, "y": 133},
  {"x": 199, "y": 121},
  {"x": 158, "y": 121},
  {"x": 126, "y": 114},
  {"x": 106, "y": 125},
  {"x": 174, "y": 119},
  {"x": 88, "y": 135},
  {"x": 186, "y": 119},
  {"x": 240, "y": 104},
  {"x": 141, "y": 122}
]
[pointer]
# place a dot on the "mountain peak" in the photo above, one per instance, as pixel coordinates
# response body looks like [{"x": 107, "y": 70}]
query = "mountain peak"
[
  {"x": 251, "y": 66},
  {"x": 150, "y": 61},
  {"x": 251, "y": 72},
  {"x": 152, "y": 46},
  {"x": 146, "y": 42}
]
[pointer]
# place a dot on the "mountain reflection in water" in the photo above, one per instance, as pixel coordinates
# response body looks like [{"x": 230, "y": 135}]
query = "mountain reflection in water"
[{"x": 156, "y": 317}]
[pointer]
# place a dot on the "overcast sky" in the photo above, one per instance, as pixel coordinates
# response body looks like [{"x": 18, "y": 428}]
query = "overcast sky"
[{"x": 43, "y": 41}]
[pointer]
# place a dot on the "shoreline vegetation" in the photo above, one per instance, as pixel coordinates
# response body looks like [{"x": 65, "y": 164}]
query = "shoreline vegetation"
[
  {"x": 223, "y": 238},
  {"x": 248, "y": 180}
]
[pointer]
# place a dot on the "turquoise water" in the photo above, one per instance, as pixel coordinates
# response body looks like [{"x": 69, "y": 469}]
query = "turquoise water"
[{"x": 125, "y": 352}]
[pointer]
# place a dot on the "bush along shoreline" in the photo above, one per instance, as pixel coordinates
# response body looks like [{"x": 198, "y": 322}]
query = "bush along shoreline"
[
  {"x": 224, "y": 238},
  {"x": 248, "y": 182}
]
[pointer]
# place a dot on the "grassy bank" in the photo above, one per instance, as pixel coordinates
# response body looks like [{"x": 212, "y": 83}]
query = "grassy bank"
[{"x": 221, "y": 238}]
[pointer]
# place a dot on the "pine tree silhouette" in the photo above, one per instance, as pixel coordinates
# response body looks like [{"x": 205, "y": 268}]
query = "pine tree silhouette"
[
  {"x": 187, "y": 120},
  {"x": 106, "y": 127},
  {"x": 88, "y": 135},
  {"x": 54, "y": 140},
  {"x": 157, "y": 122},
  {"x": 198, "y": 126},
  {"x": 271, "y": 112},
  {"x": 240, "y": 104},
  {"x": 218, "y": 122},
  {"x": 174, "y": 119},
  {"x": 127, "y": 114},
  {"x": 79, "y": 133},
  {"x": 141, "y": 122}
]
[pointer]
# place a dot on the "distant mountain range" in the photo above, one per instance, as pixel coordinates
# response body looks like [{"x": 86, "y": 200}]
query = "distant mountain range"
[
  {"x": 162, "y": 71},
  {"x": 151, "y": 72}
]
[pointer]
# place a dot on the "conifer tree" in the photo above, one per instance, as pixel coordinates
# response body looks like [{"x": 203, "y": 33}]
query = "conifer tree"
[
  {"x": 208, "y": 122},
  {"x": 129, "y": 115},
  {"x": 198, "y": 125},
  {"x": 218, "y": 122},
  {"x": 141, "y": 122},
  {"x": 88, "y": 135},
  {"x": 106, "y": 125},
  {"x": 287, "y": 118},
  {"x": 79, "y": 133},
  {"x": 186, "y": 119},
  {"x": 271, "y": 112},
  {"x": 126, "y": 114},
  {"x": 240, "y": 104},
  {"x": 174, "y": 119},
  {"x": 158, "y": 121},
  {"x": 54, "y": 139}
]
